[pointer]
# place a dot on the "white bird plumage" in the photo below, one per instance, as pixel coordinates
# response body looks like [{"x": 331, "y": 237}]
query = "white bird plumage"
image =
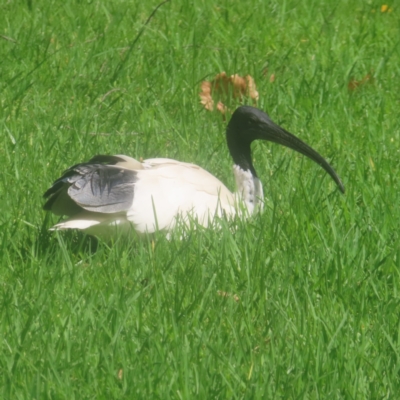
[{"x": 119, "y": 191}]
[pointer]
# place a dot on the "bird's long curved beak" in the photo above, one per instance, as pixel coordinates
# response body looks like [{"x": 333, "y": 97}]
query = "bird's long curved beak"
[{"x": 274, "y": 133}]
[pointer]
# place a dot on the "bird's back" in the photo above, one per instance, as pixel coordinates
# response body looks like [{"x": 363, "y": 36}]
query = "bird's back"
[{"x": 146, "y": 196}]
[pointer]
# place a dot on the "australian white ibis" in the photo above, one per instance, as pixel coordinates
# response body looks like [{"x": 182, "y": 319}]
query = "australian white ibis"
[{"x": 118, "y": 191}]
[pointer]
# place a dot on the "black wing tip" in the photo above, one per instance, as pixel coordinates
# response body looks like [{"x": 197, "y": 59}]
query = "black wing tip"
[
  {"x": 76, "y": 171},
  {"x": 49, "y": 203},
  {"x": 55, "y": 187}
]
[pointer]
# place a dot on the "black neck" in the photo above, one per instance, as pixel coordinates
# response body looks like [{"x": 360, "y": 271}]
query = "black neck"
[{"x": 240, "y": 151}]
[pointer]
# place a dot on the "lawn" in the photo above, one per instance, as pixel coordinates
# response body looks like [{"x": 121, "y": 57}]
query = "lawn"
[{"x": 302, "y": 301}]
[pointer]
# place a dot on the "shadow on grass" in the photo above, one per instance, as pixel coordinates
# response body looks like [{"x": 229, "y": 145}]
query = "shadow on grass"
[{"x": 46, "y": 243}]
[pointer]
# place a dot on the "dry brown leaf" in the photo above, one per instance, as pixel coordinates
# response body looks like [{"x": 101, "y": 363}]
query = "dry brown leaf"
[
  {"x": 354, "y": 84},
  {"x": 205, "y": 96},
  {"x": 221, "y": 108},
  {"x": 251, "y": 88},
  {"x": 222, "y": 86},
  {"x": 120, "y": 373}
]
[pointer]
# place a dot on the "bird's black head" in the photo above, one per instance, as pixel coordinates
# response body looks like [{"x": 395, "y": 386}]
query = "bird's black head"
[{"x": 248, "y": 124}]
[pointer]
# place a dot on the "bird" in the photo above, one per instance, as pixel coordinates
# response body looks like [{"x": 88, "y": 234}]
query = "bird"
[{"x": 112, "y": 193}]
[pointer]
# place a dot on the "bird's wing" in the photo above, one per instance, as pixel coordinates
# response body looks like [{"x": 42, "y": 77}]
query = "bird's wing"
[
  {"x": 102, "y": 188},
  {"x": 100, "y": 185}
]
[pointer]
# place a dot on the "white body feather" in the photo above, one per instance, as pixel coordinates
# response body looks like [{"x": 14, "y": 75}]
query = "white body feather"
[{"x": 167, "y": 189}]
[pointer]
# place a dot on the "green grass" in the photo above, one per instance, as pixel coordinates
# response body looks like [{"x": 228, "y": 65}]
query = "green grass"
[{"x": 316, "y": 275}]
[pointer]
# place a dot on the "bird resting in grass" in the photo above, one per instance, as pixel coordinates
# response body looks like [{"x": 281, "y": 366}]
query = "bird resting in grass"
[{"x": 118, "y": 193}]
